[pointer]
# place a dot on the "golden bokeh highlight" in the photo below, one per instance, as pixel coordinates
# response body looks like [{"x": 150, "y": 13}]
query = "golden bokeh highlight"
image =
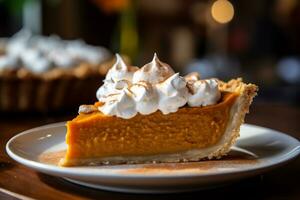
[{"x": 222, "y": 11}]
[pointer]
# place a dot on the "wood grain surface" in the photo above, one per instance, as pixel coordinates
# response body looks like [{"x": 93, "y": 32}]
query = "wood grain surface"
[{"x": 19, "y": 182}]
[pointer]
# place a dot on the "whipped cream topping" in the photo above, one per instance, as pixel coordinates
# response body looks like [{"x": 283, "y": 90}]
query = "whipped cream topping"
[
  {"x": 128, "y": 90},
  {"x": 39, "y": 54}
]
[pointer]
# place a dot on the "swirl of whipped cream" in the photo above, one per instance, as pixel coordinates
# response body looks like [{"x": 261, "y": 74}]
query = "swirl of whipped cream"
[
  {"x": 120, "y": 71},
  {"x": 203, "y": 93},
  {"x": 153, "y": 72},
  {"x": 145, "y": 96},
  {"x": 110, "y": 88},
  {"x": 172, "y": 94},
  {"x": 120, "y": 104}
]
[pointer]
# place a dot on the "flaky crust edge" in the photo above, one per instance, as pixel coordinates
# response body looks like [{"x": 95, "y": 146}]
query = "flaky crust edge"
[{"x": 238, "y": 111}]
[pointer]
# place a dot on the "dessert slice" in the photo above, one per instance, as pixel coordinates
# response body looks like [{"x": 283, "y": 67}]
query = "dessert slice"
[{"x": 152, "y": 114}]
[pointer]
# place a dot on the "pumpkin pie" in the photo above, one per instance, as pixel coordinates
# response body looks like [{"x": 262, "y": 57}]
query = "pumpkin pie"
[{"x": 151, "y": 115}]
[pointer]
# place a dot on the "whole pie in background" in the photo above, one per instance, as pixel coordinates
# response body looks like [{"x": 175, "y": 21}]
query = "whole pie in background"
[{"x": 39, "y": 73}]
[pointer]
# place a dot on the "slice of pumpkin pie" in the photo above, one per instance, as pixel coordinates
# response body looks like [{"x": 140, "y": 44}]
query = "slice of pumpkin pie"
[{"x": 152, "y": 114}]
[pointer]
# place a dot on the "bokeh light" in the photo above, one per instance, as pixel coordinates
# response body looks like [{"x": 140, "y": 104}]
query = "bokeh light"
[{"x": 222, "y": 11}]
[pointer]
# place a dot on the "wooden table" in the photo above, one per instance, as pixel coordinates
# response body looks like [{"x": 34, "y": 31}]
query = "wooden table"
[{"x": 19, "y": 182}]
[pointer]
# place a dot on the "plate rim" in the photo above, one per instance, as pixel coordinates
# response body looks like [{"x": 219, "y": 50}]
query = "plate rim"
[{"x": 67, "y": 172}]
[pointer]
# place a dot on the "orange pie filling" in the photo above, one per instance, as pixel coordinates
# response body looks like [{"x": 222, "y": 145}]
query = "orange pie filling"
[{"x": 95, "y": 136}]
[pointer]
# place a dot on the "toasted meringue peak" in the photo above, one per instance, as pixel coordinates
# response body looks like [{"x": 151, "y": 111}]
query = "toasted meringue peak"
[
  {"x": 120, "y": 71},
  {"x": 120, "y": 64},
  {"x": 153, "y": 72}
]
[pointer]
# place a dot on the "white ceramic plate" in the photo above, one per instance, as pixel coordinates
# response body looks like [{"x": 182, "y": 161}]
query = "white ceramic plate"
[{"x": 257, "y": 150}]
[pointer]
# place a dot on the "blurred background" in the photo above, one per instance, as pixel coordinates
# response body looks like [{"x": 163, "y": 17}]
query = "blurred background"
[{"x": 257, "y": 40}]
